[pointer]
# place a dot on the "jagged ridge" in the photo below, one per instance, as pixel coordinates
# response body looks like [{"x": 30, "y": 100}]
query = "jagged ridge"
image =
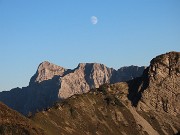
[
  {"x": 52, "y": 83},
  {"x": 109, "y": 109}
]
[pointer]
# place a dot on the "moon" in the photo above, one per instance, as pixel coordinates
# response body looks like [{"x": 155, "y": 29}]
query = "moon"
[{"x": 94, "y": 20}]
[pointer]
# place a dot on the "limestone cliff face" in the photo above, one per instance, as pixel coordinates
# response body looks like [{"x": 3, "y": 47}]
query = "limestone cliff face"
[
  {"x": 52, "y": 83},
  {"x": 157, "y": 92},
  {"x": 47, "y": 71},
  {"x": 84, "y": 78},
  {"x": 163, "y": 91}
]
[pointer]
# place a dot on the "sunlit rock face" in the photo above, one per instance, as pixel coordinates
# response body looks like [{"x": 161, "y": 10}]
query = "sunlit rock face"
[
  {"x": 51, "y": 83},
  {"x": 163, "y": 92},
  {"x": 83, "y": 78},
  {"x": 47, "y": 71}
]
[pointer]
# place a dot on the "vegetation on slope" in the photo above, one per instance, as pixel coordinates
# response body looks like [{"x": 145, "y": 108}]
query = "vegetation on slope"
[{"x": 13, "y": 123}]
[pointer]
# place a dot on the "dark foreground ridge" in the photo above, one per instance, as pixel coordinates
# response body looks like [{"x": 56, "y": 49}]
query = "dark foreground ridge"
[{"x": 13, "y": 123}]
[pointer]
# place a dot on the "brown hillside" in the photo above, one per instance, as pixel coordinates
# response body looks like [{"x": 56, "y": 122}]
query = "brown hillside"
[{"x": 13, "y": 123}]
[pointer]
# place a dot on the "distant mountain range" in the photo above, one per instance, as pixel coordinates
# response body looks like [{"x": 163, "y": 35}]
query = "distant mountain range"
[
  {"x": 52, "y": 83},
  {"x": 146, "y": 105}
]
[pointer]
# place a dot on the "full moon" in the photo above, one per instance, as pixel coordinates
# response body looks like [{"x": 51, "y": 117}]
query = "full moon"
[{"x": 94, "y": 20}]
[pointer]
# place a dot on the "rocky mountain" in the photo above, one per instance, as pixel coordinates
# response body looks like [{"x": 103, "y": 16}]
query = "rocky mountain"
[
  {"x": 98, "y": 112},
  {"x": 83, "y": 78},
  {"x": 13, "y": 123},
  {"x": 52, "y": 83},
  {"x": 148, "y": 105},
  {"x": 163, "y": 91},
  {"x": 159, "y": 87}
]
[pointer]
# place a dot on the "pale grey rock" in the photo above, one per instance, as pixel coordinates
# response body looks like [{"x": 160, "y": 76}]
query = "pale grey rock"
[
  {"x": 47, "y": 71},
  {"x": 84, "y": 78},
  {"x": 52, "y": 83}
]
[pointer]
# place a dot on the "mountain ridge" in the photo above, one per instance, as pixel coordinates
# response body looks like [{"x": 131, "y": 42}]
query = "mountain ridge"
[
  {"x": 146, "y": 105},
  {"x": 51, "y": 83},
  {"x": 123, "y": 108}
]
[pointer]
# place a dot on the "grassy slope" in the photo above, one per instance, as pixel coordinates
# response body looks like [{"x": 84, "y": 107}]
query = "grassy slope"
[
  {"x": 98, "y": 112},
  {"x": 11, "y": 122},
  {"x": 104, "y": 111}
]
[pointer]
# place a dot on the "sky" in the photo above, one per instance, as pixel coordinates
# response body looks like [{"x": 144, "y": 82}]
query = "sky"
[{"x": 67, "y": 32}]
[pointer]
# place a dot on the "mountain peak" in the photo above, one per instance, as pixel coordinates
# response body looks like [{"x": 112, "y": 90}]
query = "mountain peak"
[
  {"x": 44, "y": 63},
  {"x": 47, "y": 65},
  {"x": 165, "y": 65},
  {"x": 90, "y": 64},
  {"x": 47, "y": 71},
  {"x": 163, "y": 79},
  {"x": 166, "y": 58},
  {"x": 52, "y": 82}
]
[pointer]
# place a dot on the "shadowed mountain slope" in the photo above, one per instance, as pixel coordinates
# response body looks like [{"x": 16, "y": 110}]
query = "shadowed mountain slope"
[
  {"x": 13, "y": 123},
  {"x": 52, "y": 83}
]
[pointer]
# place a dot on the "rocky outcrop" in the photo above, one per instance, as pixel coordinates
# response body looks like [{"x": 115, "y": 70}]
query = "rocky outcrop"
[
  {"x": 163, "y": 91},
  {"x": 47, "y": 71},
  {"x": 83, "y": 78},
  {"x": 52, "y": 83},
  {"x": 157, "y": 92}
]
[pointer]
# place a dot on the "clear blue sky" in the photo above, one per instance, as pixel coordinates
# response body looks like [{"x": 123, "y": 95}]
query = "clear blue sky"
[{"x": 128, "y": 32}]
